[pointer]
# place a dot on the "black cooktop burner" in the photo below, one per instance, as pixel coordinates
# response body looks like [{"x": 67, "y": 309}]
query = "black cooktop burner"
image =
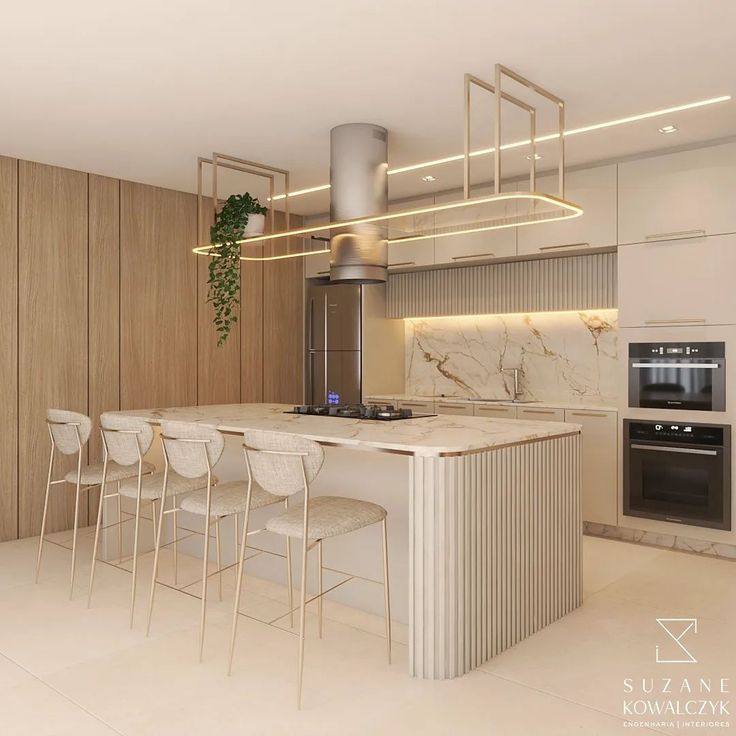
[{"x": 382, "y": 412}]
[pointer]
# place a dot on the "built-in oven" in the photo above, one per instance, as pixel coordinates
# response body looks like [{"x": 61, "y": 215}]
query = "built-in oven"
[
  {"x": 675, "y": 375},
  {"x": 678, "y": 472}
]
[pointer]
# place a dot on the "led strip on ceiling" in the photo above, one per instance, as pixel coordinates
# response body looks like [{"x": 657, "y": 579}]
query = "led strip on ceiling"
[{"x": 539, "y": 139}]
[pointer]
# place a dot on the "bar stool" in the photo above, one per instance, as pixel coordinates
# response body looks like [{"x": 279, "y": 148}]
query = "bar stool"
[
  {"x": 69, "y": 432},
  {"x": 285, "y": 465},
  {"x": 126, "y": 440},
  {"x": 192, "y": 450}
]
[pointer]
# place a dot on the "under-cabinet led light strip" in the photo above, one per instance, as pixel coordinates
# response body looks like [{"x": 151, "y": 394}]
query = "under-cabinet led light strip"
[{"x": 539, "y": 139}]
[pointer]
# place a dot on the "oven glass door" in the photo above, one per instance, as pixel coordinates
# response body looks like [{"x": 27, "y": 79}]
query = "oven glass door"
[
  {"x": 672, "y": 384},
  {"x": 677, "y": 483}
]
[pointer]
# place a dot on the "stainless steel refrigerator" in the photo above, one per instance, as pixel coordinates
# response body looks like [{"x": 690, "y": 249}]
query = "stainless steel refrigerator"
[{"x": 333, "y": 340}]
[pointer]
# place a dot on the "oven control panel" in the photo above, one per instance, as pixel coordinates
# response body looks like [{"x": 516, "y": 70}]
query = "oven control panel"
[
  {"x": 716, "y": 435},
  {"x": 677, "y": 350}
]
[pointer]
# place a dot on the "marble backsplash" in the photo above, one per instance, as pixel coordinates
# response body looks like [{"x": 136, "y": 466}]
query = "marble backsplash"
[{"x": 564, "y": 356}]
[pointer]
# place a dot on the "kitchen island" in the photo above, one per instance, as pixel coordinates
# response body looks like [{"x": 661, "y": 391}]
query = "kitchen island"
[{"x": 494, "y": 518}]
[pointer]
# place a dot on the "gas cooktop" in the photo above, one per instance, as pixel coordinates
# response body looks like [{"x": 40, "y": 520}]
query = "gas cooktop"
[{"x": 382, "y": 412}]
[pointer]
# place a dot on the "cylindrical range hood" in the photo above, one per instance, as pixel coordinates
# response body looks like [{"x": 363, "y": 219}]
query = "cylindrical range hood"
[{"x": 358, "y": 188}]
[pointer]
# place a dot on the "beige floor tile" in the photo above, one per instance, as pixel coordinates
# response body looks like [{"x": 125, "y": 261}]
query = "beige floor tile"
[{"x": 35, "y": 709}]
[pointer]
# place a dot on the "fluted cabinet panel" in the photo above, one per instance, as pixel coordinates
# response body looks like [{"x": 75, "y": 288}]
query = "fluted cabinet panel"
[
  {"x": 539, "y": 285},
  {"x": 495, "y": 553},
  {"x": 104, "y": 308},
  {"x": 9, "y": 348},
  {"x": 52, "y": 330},
  {"x": 158, "y": 297}
]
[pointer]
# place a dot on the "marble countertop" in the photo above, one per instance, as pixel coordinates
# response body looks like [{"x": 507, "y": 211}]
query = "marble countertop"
[
  {"x": 500, "y": 402},
  {"x": 428, "y": 436}
]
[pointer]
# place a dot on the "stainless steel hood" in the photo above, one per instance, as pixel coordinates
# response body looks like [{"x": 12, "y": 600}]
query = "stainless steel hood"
[{"x": 359, "y": 188}]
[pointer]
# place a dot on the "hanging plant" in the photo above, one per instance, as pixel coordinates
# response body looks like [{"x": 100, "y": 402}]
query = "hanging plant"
[{"x": 224, "y": 267}]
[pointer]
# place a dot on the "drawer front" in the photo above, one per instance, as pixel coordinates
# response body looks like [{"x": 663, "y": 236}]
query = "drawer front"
[
  {"x": 540, "y": 415},
  {"x": 453, "y": 407},
  {"x": 418, "y": 407},
  {"x": 494, "y": 411}
]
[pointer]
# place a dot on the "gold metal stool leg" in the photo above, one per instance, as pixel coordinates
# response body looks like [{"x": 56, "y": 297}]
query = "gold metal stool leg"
[
  {"x": 45, "y": 511},
  {"x": 157, "y": 549},
  {"x": 239, "y": 580},
  {"x": 103, "y": 486},
  {"x": 319, "y": 588},
  {"x": 386, "y": 598},
  {"x": 135, "y": 544},
  {"x": 76, "y": 525},
  {"x": 219, "y": 556}
]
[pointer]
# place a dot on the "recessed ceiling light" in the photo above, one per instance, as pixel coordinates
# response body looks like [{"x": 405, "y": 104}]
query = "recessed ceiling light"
[
  {"x": 536, "y": 157},
  {"x": 668, "y": 129},
  {"x": 429, "y": 178}
]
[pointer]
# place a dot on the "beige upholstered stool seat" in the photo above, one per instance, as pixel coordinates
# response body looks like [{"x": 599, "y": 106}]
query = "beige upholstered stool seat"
[
  {"x": 329, "y": 516},
  {"x": 92, "y": 474},
  {"x": 152, "y": 486},
  {"x": 228, "y": 498}
]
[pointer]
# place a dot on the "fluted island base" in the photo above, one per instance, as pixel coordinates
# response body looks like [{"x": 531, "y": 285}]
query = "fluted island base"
[{"x": 496, "y": 551}]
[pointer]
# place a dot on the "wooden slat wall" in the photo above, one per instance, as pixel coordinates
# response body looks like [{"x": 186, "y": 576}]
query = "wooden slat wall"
[
  {"x": 552, "y": 284},
  {"x": 104, "y": 307},
  {"x": 283, "y": 325},
  {"x": 52, "y": 328},
  {"x": 9, "y": 347},
  {"x": 218, "y": 367},
  {"x": 158, "y": 297}
]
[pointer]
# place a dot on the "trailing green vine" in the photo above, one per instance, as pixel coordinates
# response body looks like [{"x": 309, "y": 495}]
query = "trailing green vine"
[{"x": 224, "y": 268}]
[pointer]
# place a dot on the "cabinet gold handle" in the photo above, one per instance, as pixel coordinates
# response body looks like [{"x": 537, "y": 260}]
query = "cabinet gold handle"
[
  {"x": 452, "y": 406},
  {"x": 679, "y": 234},
  {"x": 601, "y": 415},
  {"x": 538, "y": 411},
  {"x": 474, "y": 255},
  {"x": 567, "y": 245},
  {"x": 320, "y": 273},
  {"x": 412, "y": 403},
  {"x": 404, "y": 263},
  {"x": 694, "y": 321}
]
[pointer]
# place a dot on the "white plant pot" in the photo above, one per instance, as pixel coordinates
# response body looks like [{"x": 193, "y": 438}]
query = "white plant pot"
[{"x": 256, "y": 225}]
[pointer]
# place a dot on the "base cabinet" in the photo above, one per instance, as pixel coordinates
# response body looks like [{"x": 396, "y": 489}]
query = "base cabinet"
[
  {"x": 494, "y": 411},
  {"x": 456, "y": 408},
  {"x": 600, "y": 485}
]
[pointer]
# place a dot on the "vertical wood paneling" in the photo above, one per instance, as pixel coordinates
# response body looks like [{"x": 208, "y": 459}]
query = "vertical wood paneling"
[
  {"x": 158, "y": 297},
  {"x": 52, "y": 328},
  {"x": 251, "y": 329},
  {"x": 104, "y": 308},
  {"x": 9, "y": 348},
  {"x": 495, "y": 551},
  {"x": 283, "y": 326},
  {"x": 540, "y": 285},
  {"x": 218, "y": 367}
]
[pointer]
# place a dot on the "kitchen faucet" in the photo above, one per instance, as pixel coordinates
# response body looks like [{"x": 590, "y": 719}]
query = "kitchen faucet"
[{"x": 516, "y": 371}]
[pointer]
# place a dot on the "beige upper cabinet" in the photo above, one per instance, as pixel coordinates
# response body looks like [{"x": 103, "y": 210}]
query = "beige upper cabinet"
[
  {"x": 600, "y": 486},
  {"x": 677, "y": 282},
  {"x": 595, "y": 191},
  {"x": 415, "y": 253},
  {"x": 317, "y": 266},
  {"x": 471, "y": 247},
  {"x": 676, "y": 195}
]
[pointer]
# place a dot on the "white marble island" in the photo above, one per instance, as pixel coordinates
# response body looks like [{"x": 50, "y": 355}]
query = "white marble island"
[{"x": 494, "y": 519}]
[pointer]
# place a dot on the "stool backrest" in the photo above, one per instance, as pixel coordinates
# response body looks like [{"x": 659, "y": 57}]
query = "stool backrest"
[
  {"x": 275, "y": 461},
  {"x": 68, "y": 429},
  {"x": 191, "y": 449},
  {"x": 126, "y": 438}
]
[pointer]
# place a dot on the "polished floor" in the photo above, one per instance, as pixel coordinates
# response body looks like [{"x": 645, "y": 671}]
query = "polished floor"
[{"x": 66, "y": 669}]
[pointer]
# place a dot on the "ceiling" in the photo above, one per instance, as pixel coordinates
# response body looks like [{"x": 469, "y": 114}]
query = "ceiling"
[{"x": 139, "y": 89}]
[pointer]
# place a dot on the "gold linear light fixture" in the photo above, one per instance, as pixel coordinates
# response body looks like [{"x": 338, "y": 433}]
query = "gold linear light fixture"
[
  {"x": 538, "y": 139},
  {"x": 469, "y": 214}
]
